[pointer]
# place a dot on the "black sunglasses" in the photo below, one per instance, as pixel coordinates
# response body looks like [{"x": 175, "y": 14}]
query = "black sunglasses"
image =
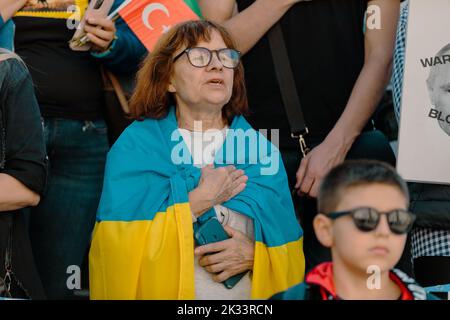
[
  {"x": 367, "y": 219},
  {"x": 201, "y": 57}
]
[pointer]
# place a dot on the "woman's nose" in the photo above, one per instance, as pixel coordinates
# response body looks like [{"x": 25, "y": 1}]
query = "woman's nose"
[{"x": 215, "y": 62}]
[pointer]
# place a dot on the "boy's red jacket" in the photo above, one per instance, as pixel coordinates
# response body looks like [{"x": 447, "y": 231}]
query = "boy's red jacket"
[{"x": 319, "y": 285}]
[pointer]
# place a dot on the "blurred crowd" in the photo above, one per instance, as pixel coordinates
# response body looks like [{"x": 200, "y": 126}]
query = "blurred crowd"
[{"x": 94, "y": 204}]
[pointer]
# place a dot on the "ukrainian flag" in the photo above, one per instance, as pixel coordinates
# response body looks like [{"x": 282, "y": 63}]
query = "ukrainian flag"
[{"x": 143, "y": 245}]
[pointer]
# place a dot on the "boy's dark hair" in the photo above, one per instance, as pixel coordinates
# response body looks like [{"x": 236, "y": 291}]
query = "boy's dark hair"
[{"x": 353, "y": 173}]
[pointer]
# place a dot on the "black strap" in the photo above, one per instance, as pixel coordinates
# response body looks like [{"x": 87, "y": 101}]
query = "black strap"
[
  {"x": 10, "y": 277},
  {"x": 286, "y": 82}
]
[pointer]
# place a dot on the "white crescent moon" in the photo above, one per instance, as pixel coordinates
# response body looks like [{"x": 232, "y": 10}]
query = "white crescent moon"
[{"x": 148, "y": 11}]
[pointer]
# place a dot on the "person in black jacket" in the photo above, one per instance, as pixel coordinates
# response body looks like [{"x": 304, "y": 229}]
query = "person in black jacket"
[{"x": 23, "y": 171}]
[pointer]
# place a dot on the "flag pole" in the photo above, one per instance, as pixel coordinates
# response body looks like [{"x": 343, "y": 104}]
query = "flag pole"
[{"x": 116, "y": 12}]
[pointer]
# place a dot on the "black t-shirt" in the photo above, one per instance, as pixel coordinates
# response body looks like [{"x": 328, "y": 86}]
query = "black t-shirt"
[
  {"x": 68, "y": 84},
  {"x": 325, "y": 43}
]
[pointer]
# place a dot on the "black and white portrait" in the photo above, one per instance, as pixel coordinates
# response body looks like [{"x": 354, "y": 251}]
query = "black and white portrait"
[{"x": 438, "y": 84}]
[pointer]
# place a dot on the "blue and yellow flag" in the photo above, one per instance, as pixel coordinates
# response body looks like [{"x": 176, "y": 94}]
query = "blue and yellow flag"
[{"x": 143, "y": 245}]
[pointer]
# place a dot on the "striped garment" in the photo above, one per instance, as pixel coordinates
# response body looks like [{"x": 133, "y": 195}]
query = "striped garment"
[{"x": 399, "y": 59}]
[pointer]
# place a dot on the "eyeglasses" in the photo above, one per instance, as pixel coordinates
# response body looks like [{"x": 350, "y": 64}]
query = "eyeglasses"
[
  {"x": 367, "y": 219},
  {"x": 201, "y": 57}
]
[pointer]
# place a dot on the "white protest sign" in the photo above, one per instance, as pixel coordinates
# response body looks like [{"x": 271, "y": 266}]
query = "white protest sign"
[{"x": 424, "y": 137}]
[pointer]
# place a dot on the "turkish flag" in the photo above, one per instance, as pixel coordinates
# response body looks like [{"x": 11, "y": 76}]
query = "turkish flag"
[{"x": 149, "y": 19}]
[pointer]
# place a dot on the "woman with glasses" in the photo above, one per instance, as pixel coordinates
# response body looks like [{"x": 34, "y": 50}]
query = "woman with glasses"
[{"x": 189, "y": 168}]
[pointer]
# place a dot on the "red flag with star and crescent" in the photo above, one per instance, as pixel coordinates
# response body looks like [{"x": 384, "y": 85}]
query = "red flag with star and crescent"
[{"x": 149, "y": 19}]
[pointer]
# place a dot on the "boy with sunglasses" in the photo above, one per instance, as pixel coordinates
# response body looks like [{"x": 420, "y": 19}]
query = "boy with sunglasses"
[{"x": 364, "y": 219}]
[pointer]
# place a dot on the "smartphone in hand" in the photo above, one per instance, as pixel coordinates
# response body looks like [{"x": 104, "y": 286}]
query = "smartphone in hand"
[
  {"x": 212, "y": 231},
  {"x": 96, "y": 9}
]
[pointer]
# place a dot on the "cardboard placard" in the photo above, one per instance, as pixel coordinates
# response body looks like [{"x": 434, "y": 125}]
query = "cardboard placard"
[{"x": 424, "y": 137}]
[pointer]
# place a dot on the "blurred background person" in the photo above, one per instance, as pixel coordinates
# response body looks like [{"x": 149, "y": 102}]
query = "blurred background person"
[
  {"x": 69, "y": 90},
  {"x": 23, "y": 173},
  {"x": 364, "y": 219}
]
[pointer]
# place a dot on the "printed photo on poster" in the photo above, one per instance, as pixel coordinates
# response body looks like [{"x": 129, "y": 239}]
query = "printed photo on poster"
[{"x": 424, "y": 138}]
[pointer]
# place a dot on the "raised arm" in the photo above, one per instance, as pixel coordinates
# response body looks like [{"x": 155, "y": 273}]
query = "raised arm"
[
  {"x": 250, "y": 25},
  {"x": 366, "y": 94},
  {"x": 376, "y": 72},
  {"x": 9, "y": 7}
]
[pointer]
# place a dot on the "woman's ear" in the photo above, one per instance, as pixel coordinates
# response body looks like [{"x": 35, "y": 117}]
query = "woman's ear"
[
  {"x": 171, "y": 87},
  {"x": 323, "y": 226}
]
